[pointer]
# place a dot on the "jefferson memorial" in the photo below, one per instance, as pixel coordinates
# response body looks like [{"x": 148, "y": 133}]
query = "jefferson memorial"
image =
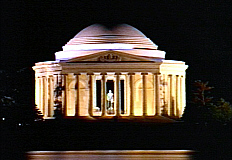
[{"x": 110, "y": 72}]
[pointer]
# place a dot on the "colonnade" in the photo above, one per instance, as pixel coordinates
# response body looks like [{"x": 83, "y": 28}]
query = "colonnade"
[{"x": 168, "y": 93}]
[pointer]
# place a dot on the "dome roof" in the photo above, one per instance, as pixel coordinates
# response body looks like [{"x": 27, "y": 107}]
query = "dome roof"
[
  {"x": 92, "y": 31},
  {"x": 100, "y": 38},
  {"x": 96, "y": 30},
  {"x": 96, "y": 34}
]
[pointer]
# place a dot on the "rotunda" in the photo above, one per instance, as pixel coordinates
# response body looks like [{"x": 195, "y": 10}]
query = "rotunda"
[{"x": 110, "y": 72}]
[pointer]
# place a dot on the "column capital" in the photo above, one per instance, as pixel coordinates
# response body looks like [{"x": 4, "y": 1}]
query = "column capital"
[
  {"x": 131, "y": 73},
  {"x": 144, "y": 73},
  {"x": 103, "y": 73},
  {"x": 158, "y": 74},
  {"x": 118, "y": 73},
  {"x": 77, "y": 74},
  {"x": 91, "y": 73}
]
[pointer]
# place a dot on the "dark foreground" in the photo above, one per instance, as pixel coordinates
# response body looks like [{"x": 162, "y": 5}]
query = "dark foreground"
[{"x": 208, "y": 142}]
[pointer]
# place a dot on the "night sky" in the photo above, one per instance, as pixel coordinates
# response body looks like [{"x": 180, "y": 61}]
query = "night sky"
[{"x": 197, "y": 32}]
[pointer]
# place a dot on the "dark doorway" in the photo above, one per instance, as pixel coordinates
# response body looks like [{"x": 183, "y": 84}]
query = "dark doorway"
[
  {"x": 122, "y": 96},
  {"x": 98, "y": 91},
  {"x": 110, "y": 86}
]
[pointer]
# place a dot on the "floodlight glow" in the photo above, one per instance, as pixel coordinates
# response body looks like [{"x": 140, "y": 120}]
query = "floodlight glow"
[
  {"x": 87, "y": 47},
  {"x": 95, "y": 61}
]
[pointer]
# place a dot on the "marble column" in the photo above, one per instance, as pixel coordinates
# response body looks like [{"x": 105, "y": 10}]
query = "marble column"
[
  {"x": 144, "y": 78},
  {"x": 165, "y": 95},
  {"x": 91, "y": 90},
  {"x": 172, "y": 109},
  {"x": 64, "y": 94},
  {"x": 132, "y": 79},
  {"x": 158, "y": 111},
  {"x": 177, "y": 95},
  {"x": 50, "y": 96},
  {"x": 47, "y": 95},
  {"x": 77, "y": 86},
  {"x": 55, "y": 96},
  {"x": 37, "y": 92},
  {"x": 127, "y": 95},
  {"x": 40, "y": 103},
  {"x": 174, "y": 95},
  {"x": 56, "y": 85},
  {"x": 44, "y": 96},
  {"x": 168, "y": 94},
  {"x": 103, "y": 94},
  {"x": 154, "y": 93},
  {"x": 118, "y": 94},
  {"x": 182, "y": 95}
]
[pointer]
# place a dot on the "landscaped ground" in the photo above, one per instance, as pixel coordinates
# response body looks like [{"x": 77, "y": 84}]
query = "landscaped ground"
[{"x": 211, "y": 142}]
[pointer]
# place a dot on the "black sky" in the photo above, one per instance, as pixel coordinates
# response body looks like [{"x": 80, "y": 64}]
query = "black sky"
[{"x": 197, "y": 32}]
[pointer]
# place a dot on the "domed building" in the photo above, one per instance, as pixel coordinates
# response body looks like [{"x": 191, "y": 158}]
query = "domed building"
[{"x": 106, "y": 73}]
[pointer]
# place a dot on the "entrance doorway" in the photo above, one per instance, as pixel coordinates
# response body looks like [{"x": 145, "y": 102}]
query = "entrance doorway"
[
  {"x": 98, "y": 94},
  {"x": 110, "y": 97},
  {"x": 122, "y": 96}
]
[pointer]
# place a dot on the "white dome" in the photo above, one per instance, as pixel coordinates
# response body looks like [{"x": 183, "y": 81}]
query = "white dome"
[
  {"x": 127, "y": 30},
  {"x": 97, "y": 30},
  {"x": 97, "y": 37},
  {"x": 92, "y": 31}
]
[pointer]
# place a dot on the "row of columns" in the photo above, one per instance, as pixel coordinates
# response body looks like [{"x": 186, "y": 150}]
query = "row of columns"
[
  {"x": 45, "y": 97},
  {"x": 174, "y": 96}
]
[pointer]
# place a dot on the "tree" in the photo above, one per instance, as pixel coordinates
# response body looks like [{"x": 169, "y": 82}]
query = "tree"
[
  {"x": 15, "y": 106},
  {"x": 198, "y": 110},
  {"x": 222, "y": 112},
  {"x": 58, "y": 102},
  {"x": 201, "y": 94},
  {"x": 13, "y": 112},
  {"x": 202, "y": 108}
]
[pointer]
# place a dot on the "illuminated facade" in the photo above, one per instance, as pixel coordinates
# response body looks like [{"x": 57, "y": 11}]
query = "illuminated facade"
[{"x": 104, "y": 73}]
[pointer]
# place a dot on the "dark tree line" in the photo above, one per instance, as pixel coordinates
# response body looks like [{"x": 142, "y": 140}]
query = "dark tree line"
[
  {"x": 205, "y": 109},
  {"x": 16, "y": 97}
]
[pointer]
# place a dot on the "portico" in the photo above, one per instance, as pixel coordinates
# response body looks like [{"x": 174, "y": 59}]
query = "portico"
[{"x": 115, "y": 81}]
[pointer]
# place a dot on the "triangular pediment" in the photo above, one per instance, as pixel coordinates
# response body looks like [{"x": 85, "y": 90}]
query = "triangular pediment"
[{"x": 110, "y": 56}]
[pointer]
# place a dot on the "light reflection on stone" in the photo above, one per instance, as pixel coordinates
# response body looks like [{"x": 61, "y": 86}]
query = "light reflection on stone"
[{"x": 112, "y": 154}]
